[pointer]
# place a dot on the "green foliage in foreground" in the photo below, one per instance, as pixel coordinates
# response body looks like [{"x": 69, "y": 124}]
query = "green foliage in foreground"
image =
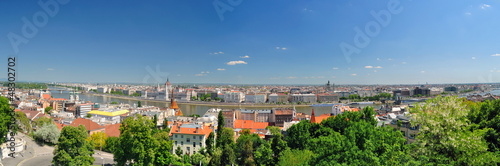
[
  {"x": 73, "y": 148},
  {"x": 5, "y": 118}
]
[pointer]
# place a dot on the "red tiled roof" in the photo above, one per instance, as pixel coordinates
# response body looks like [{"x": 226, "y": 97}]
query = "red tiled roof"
[
  {"x": 112, "y": 130},
  {"x": 32, "y": 115},
  {"x": 322, "y": 117},
  {"x": 46, "y": 96},
  {"x": 184, "y": 130},
  {"x": 283, "y": 112},
  {"x": 89, "y": 125},
  {"x": 249, "y": 124},
  {"x": 59, "y": 125}
]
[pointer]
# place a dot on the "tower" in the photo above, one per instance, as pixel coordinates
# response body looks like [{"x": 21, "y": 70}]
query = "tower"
[
  {"x": 168, "y": 88},
  {"x": 313, "y": 117}
]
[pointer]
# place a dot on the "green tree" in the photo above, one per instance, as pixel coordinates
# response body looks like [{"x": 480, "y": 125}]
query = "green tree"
[
  {"x": 209, "y": 142},
  {"x": 5, "y": 118},
  {"x": 47, "y": 133},
  {"x": 111, "y": 144},
  {"x": 246, "y": 145},
  {"x": 486, "y": 115},
  {"x": 23, "y": 122},
  {"x": 295, "y": 157},
  {"x": 98, "y": 139},
  {"x": 73, "y": 148},
  {"x": 197, "y": 158},
  {"x": 114, "y": 102},
  {"x": 48, "y": 110},
  {"x": 42, "y": 121},
  {"x": 136, "y": 143},
  {"x": 264, "y": 155},
  {"x": 139, "y": 104},
  {"x": 163, "y": 152},
  {"x": 445, "y": 136},
  {"x": 220, "y": 126},
  {"x": 178, "y": 151}
]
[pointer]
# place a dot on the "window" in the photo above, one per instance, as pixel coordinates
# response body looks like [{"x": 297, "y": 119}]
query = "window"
[
  {"x": 188, "y": 149},
  {"x": 194, "y": 144},
  {"x": 194, "y": 136},
  {"x": 175, "y": 142},
  {"x": 188, "y": 140},
  {"x": 200, "y": 144},
  {"x": 176, "y": 136},
  {"x": 182, "y": 143},
  {"x": 182, "y": 136},
  {"x": 201, "y": 137}
]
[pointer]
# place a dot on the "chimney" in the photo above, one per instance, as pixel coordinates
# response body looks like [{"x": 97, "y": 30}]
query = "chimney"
[{"x": 197, "y": 130}]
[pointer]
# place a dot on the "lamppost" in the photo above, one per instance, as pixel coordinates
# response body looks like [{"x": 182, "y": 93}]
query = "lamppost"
[{"x": 102, "y": 161}]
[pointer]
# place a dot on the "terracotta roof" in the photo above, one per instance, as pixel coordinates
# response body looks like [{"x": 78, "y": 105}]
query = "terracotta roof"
[
  {"x": 59, "y": 125},
  {"x": 112, "y": 130},
  {"x": 283, "y": 112},
  {"x": 32, "y": 115},
  {"x": 313, "y": 117},
  {"x": 184, "y": 130},
  {"x": 89, "y": 125},
  {"x": 322, "y": 117},
  {"x": 249, "y": 124},
  {"x": 46, "y": 96},
  {"x": 58, "y": 99}
]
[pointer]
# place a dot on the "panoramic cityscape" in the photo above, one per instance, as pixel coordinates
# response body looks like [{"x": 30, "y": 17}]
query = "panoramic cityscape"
[{"x": 395, "y": 82}]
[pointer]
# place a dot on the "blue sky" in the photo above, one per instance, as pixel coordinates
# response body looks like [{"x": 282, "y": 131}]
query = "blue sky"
[{"x": 256, "y": 42}]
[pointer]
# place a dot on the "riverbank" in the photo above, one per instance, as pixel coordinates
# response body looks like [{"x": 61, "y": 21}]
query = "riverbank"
[{"x": 198, "y": 103}]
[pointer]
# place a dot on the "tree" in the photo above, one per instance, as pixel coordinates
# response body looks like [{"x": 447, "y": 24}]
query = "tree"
[
  {"x": 245, "y": 146},
  {"x": 163, "y": 153},
  {"x": 111, "y": 144},
  {"x": 73, "y": 148},
  {"x": 139, "y": 104},
  {"x": 486, "y": 115},
  {"x": 264, "y": 155},
  {"x": 197, "y": 158},
  {"x": 178, "y": 151},
  {"x": 23, "y": 122},
  {"x": 98, "y": 140},
  {"x": 295, "y": 157},
  {"x": 5, "y": 118},
  {"x": 47, "y": 133},
  {"x": 220, "y": 126},
  {"x": 48, "y": 110},
  {"x": 209, "y": 142},
  {"x": 278, "y": 145},
  {"x": 42, "y": 121},
  {"x": 136, "y": 142},
  {"x": 114, "y": 102},
  {"x": 445, "y": 136}
]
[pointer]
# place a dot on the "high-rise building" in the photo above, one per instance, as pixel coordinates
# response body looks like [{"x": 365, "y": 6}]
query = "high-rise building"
[{"x": 168, "y": 87}]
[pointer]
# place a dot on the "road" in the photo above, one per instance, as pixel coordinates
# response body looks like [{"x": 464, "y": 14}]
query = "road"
[{"x": 41, "y": 155}]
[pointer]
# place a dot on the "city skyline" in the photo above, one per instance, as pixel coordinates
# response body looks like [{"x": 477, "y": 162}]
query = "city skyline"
[{"x": 253, "y": 42}]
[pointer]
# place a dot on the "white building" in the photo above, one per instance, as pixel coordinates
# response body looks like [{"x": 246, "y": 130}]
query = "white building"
[
  {"x": 308, "y": 98},
  {"x": 234, "y": 97},
  {"x": 255, "y": 98},
  {"x": 189, "y": 137}
]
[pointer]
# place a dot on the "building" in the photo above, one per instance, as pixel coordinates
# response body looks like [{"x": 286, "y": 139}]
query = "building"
[
  {"x": 422, "y": 92},
  {"x": 283, "y": 115},
  {"x": 111, "y": 116},
  {"x": 255, "y": 98},
  {"x": 327, "y": 98},
  {"x": 256, "y": 115},
  {"x": 229, "y": 117},
  {"x": 189, "y": 137},
  {"x": 90, "y": 126},
  {"x": 305, "y": 98},
  {"x": 83, "y": 109},
  {"x": 234, "y": 97}
]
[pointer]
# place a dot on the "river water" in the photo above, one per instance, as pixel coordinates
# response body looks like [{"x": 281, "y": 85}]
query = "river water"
[{"x": 189, "y": 109}]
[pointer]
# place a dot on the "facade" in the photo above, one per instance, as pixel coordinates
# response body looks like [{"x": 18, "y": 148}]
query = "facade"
[
  {"x": 234, "y": 97},
  {"x": 83, "y": 109},
  {"x": 307, "y": 98},
  {"x": 109, "y": 116},
  {"x": 255, "y": 98},
  {"x": 278, "y": 98},
  {"x": 189, "y": 137},
  {"x": 283, "y": 115},
  {"x": 328, "y": 98}
]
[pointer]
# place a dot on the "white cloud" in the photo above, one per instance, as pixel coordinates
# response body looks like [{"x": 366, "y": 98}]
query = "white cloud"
[
  {"x": 236, "y": 62},
  {"x": 354, "y": 74},
  {"x": 495, "y": 55},
  {"x": 246, "y": 56},
  {"x": 277, "y": 48},
  {"x": 468, "y": 13},
  {"x": 199, "y": 75},
  {"x": 284, "y": 48},
  {"x": 378, "y": 67},
  {"x": 215, "y": 53},
  {"x": 220, "y": 69},
  {"x": 378, "y": 59},
  {"x": 368, "y": 67},
  {"x": 291, "y": 77},
  {"x": 473, "y": 58},
  {"x": 50, "y": 69},
  {"x": 485, "y": 6},
  {"x": 281, "y": 48},
  {"x": 205, "y": 72},
  {"x": 335, "y": 68}
]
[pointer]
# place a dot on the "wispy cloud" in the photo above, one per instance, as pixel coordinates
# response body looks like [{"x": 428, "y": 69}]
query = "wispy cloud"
[
  {"x": 199, "y": 75},
  {"x": 205, "y": 72},
  {"x": 378, "y": 67},
  {"x": 495, "y": 55},
  {"x": 215, "y": 53},
  {"x": 291, "y": 77},
  {"x": 246, "y": 56},
  {"x": 485, "y": 6},
  {"x": 368, "y": 67},
  {"x": 354, "y": 74},
  {"x": 473, "y": 58},
  {"x": 50, "y": 69},
  {"x": 221, "y": 69},
  {"x": 281, "y": 48},
  {"x": 404, "y": 63},
  {"x": 422, "y": 71},
  {"x": 335, "y": 68},
  {"x": 236, "y": 62},
  {"x": 468, "y": 13}
]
